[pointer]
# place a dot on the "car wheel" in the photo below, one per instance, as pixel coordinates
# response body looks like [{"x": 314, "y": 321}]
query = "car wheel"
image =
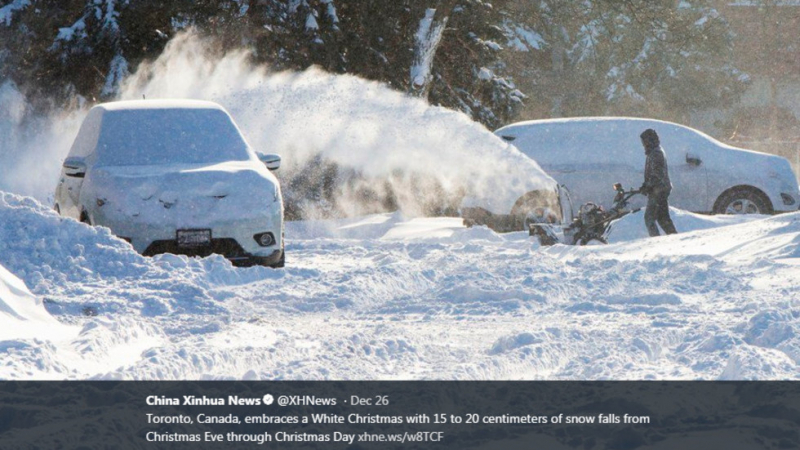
[
  {"x": 538, "y": 207},
  {"x": 743, "y": 200},
  {"x": 528, "y": 203}
]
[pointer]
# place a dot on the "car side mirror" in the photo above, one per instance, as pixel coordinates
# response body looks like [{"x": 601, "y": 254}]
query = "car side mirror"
[
  {"x": 693, "y": 159},
  {"x": 74, "y": 167},
  {"x": 272, "y": 161}
]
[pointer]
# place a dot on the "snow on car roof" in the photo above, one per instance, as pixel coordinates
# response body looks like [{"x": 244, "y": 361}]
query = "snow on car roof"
[
  {"x": 586, "y": 132},
  {"x": 589, "y": 119},
  {"x": 177, "y": 131},
  {"x": 158, "y": 104},
  {"x": 640, "y": 121}
]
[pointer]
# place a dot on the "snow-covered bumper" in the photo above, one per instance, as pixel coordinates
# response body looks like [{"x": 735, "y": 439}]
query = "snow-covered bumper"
[
  {"x": 779, "y": 184},
  {"x": 784, "y": 198},
  {"x": 233, "y": 209},
  {"x": 256, "y": 238}
]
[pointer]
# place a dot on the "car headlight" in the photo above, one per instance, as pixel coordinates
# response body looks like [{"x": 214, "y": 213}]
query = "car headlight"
[{"x": 265, "y": 239}]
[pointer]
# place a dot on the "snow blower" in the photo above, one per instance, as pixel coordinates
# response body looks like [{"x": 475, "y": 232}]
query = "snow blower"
[{"x": 591, "y": 226}]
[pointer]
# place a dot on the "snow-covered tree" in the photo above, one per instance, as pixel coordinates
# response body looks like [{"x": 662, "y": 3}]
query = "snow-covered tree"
[
  {"x": 427, "y": 38},
  {"x": 487, "y": 59},
  {"x": 295, "y": 34},
  {"x": 95, "y": 33},
  {"x": 624, "y": 57},
  {"x": 57, "y": 50},
  {"x": 469, "y": 73}
]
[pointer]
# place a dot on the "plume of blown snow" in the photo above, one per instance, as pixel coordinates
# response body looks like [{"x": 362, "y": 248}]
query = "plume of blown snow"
[
  {"x": 391, "y": 145},
  {"x": 33, "y": 145},
  {"x": 368, "y": 147}
]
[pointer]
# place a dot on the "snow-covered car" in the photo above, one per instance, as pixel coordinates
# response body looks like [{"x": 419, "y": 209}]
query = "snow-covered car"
[
  {"x": 589, "y": 155},
  {"x": 174, "y": 176}
]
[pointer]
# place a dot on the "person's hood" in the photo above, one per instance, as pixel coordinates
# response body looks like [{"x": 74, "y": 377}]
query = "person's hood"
[{"x": 650, "y": 140}]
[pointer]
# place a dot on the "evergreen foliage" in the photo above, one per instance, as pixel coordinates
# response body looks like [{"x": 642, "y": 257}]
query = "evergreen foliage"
[{"x": 546, "y": 58}]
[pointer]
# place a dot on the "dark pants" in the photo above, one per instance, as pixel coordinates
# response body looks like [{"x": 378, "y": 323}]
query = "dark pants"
[{"x": 658, "y": 211}]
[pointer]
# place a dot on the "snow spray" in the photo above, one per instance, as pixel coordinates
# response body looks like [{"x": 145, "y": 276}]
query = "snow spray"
[
  {"x": 349, "y": 146},
  {"x": 376, "y": 149}
]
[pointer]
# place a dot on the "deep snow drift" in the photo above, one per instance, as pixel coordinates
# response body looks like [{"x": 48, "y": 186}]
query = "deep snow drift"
[
  {"x": 385, "y": 297},
  {"x": 22, "y": 315}
]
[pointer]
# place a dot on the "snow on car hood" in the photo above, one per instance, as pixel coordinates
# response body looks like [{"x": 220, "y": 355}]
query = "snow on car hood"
[{"x": 182, "y": 193}]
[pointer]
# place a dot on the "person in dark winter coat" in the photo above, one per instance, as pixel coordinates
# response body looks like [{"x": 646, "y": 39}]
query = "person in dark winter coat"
[{"x": 657, "y": 186}]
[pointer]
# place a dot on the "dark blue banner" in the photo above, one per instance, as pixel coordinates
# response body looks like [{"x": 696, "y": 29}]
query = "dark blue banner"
[{"x": 399, "y": 415}]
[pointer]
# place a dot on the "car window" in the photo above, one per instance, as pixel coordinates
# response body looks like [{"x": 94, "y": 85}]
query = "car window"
[{"x": 169, "y": 136}]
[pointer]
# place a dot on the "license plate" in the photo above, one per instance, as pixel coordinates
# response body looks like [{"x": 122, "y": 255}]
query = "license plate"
[{"x": 194, "y": 238}]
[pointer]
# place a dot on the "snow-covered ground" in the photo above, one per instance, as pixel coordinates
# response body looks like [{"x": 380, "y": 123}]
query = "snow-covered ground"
[
  {"x": 380, "y": 296},
  {"x": 385, "y": 297}
]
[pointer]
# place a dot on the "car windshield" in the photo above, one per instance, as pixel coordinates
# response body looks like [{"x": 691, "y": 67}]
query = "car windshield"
[{"x": 169, "y": 136}]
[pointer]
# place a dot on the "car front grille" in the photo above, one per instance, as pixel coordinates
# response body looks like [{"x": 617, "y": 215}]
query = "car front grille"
[{"x": 226, "y": 247}]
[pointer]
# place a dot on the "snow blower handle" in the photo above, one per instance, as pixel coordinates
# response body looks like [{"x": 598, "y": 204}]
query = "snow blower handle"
[
  {"x": 622, "y": 197},
  {"x": 620, "y": 190}
]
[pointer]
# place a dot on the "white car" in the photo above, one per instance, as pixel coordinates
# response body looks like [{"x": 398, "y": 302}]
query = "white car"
[
  {"x": 588, "y": 155},
  {"x": 174, "y": 176}
]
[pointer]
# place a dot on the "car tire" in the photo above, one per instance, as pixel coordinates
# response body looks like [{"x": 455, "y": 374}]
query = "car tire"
[
  {"x": 264, "y": 261},
  {"x": 743, "y": 200},
  {"x": 527, "y": 203},
  {"x": 281, "y": 262}
]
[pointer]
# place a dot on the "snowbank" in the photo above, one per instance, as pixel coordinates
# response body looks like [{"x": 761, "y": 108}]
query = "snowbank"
[
  {"x": 65, "y": 261},
  {"x": 398, "y": 227},
  {"x": 41, "y": 247},
  {"x": 394, "y": 227},
  {"x": 632, "y": 226},
  {"x": 387, "y": 297},
  {"x": 22, "y": 315}
]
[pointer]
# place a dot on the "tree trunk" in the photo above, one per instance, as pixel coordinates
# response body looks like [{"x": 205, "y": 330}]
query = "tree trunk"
[{"x": 426, "y": 41}]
